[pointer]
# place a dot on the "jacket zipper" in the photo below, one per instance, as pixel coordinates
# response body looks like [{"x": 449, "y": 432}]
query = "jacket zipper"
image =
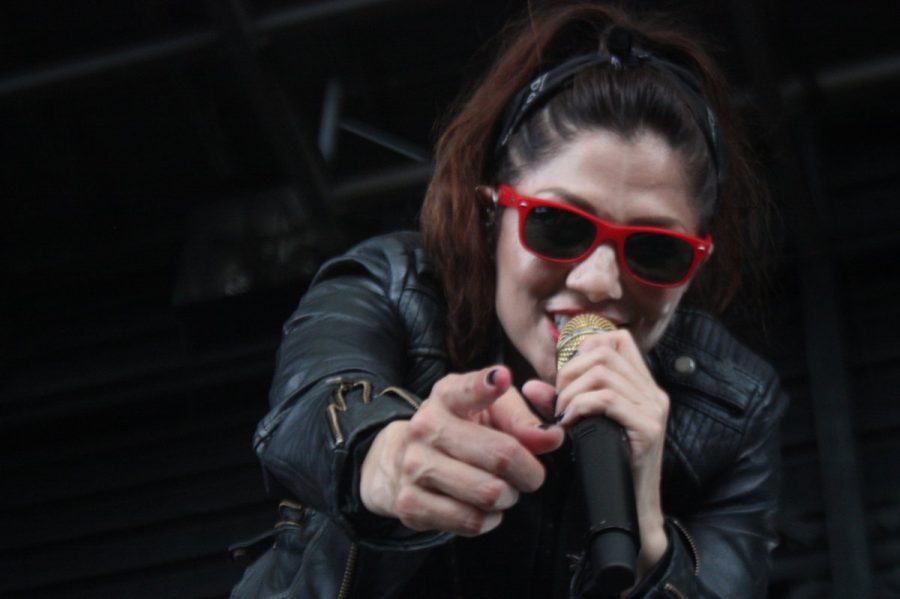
[
  {"x": 670, "y": 588},
  {"x": 691, "y": 544},
  {"x": 348, "y": 572}
]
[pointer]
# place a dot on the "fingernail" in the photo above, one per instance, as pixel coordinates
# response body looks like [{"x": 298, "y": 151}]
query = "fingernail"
[
  {"x": 551, "y": 423},
  {"x": 491, "y": 377},
  {"x": 491, "y": 522},
  {"x": 507, "y": 499}
]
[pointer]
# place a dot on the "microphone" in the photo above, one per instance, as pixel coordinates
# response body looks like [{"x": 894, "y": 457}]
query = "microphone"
[{"x": 601, "y": 456}]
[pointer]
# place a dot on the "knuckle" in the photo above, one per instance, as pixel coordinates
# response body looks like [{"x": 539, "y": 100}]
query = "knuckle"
[
  {"x": 598, "y": 374},
  {"x": 605, "y": 352},
  {"x": 407, "y": 504},
  {"x": 439, "y": 388},
  {"x": 502, "y": 455},
  {"x": 604, "y": 398},
  {"x": 589, "y": 343},
  {"x": 413, "y": 523},
  {"x": 411, "y": 464},
  {"x": 621, "y": 336},
  {"x": 597, "y": 341},
  {"x": 576, "y": 410},
  {"x": 664, "y": 400},
  {"x": 420, "y": 425},
  {"x": 472, "y": 524},
  {"x": 425, "y": 426},
  {"x": 663, "y": 415},
  {"x": 659, "y": 407},
  {"x": 490, "y": 494}
]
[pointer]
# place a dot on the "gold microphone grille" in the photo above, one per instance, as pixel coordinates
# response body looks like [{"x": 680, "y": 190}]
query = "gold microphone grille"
[{"x": 574, "y": 333}]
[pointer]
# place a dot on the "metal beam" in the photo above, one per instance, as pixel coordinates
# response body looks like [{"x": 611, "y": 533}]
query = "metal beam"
[
  {"x": 346, "y": 192},
  {"x": 313, "y": 12},
  {"x": 73, "y": 71},
  {"x": 121, "y": 59},
  {"x": 332, "y": 103},
  {"x": 384, "y": 139},
  {"x": 297, "y": 155},
  {"x": 834, "y": 81}
]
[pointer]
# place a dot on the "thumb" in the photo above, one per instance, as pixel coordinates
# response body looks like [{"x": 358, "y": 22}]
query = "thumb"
[{"x": 511, "y": 414}]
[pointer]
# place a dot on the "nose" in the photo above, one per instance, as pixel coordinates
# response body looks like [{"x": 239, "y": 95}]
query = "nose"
[{"x": 597, "y": 277}]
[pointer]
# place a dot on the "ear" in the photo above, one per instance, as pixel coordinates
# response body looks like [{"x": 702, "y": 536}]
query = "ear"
[{"x": 486, "y": 193}]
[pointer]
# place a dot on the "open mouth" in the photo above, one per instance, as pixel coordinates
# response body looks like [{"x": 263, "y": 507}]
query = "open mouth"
[{"x": 560, "y": 320}]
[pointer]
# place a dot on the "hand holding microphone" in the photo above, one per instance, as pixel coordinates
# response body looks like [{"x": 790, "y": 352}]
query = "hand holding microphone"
[{"x": 605, "y": 387}]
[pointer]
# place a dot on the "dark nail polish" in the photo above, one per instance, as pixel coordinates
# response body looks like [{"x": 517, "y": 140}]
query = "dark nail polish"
[
  {"x": 550, "y": 423},
  {"x": 491, "y": 377}
]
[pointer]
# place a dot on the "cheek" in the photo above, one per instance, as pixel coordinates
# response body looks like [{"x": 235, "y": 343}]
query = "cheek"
[
  {"x": 524, "y": 281},
  {"x": 508, "y": 268},
  {"x": 656, "y": 308},
  {"x": 518, "y": 270},
  {"x": 667, "y": 307},
  {"x": 507, "y": 242}
]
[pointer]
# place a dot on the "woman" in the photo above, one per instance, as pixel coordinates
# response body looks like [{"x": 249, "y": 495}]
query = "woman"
[{"x": 418, "y": 420}]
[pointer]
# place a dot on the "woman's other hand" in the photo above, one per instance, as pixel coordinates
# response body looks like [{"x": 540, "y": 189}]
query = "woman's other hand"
[
  {"x": 608, "y": 377},
  {"x": 463, "y": 458}
]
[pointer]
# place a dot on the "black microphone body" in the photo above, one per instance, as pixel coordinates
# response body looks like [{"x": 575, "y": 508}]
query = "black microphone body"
[
  {"x": 601, "y": 457},
  {"x": 613, "y": 539}
]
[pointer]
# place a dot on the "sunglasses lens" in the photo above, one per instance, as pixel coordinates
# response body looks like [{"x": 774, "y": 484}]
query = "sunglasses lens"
[
  {"x": 662, "y": 259},
  {"x": 558, "y": 234}
]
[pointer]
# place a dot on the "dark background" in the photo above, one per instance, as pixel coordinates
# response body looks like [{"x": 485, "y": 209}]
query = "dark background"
[{"x": 174, "y": 171}]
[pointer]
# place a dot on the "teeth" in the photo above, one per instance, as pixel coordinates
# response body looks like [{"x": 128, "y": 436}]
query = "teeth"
[{"x": 560, "y": 320}]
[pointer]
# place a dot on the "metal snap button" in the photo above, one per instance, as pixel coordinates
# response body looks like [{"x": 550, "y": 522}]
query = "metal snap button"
[{"x": 685, "y": 365}]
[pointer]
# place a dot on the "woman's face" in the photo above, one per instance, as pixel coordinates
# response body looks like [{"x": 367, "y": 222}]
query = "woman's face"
[{"x": 639, "y": 181}]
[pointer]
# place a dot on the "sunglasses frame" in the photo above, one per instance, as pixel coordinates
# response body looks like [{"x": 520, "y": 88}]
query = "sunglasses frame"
[{"x": 505, "y": 195}]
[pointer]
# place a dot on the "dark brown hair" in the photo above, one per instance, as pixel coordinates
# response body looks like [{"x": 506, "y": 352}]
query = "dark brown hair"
[{"x": 626, "y": 101}]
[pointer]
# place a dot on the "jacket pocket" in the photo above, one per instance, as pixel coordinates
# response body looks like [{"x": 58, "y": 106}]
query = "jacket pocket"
[{"x": 273, "y": 572}]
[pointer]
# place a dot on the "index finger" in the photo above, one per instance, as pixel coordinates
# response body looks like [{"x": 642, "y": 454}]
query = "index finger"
[{"x": 470, "y": 393}]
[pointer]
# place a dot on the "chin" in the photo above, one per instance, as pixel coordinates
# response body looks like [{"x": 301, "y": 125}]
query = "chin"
[
  {"x": 648, "y": 341},
  {"x": 547, "y": 370}
]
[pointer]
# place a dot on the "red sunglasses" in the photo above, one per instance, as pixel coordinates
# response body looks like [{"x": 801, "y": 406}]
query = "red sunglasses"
[{"x": 562, "y": 233}]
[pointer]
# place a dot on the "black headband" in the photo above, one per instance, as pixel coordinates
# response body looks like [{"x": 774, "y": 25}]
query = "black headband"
[{"x": 622, "y": 54}]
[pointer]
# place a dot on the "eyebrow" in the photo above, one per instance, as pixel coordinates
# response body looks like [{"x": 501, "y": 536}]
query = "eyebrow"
[
  {"x": 664, "y": 222},
  {"x": 572, "y": 199}
]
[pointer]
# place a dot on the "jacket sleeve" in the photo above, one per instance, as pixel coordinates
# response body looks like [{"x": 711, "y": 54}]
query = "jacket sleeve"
[
  {"x": 340, "y": 371},
  {"x": 734, "y": 529},
  {"x": 721, "y": 547}
]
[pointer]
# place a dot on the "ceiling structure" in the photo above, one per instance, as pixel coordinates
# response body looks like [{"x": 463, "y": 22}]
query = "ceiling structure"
[{"x": 174, "y": 172}]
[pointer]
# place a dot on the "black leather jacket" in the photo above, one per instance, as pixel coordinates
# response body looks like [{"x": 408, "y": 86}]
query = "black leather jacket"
[{"x": 367, "y": 341}]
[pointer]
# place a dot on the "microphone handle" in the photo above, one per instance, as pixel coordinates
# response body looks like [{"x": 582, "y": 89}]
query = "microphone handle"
[{"x": 601, "y": 453}]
